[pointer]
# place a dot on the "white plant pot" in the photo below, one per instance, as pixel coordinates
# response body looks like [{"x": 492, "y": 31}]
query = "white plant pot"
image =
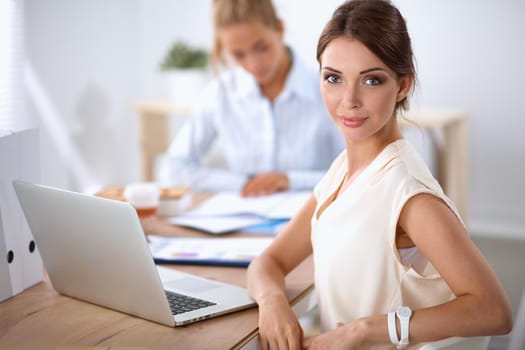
[{"x": 186, "y": 86}]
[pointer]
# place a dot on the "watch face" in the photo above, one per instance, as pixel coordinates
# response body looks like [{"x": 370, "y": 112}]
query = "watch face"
[{"x": 404, "y": 311}]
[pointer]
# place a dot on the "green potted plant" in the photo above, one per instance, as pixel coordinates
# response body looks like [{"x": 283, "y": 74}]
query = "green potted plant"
[
  {"x": 183, "y": 56},
  {"x": 186, "y": 68}
]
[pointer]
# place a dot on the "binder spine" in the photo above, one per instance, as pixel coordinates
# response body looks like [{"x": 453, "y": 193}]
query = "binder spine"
[
  {"x": 29, "y": 170},
  {"x": 20, "y": 263},
  {"x": 11, "y": 267}
]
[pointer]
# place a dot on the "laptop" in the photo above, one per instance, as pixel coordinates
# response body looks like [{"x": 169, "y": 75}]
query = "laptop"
[{"x": 94, "y": 249}]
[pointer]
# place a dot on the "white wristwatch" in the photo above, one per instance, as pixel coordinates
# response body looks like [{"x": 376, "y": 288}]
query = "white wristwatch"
[
  {"x": 392, "y": 329},
  {"x": 404, "y": 313}
]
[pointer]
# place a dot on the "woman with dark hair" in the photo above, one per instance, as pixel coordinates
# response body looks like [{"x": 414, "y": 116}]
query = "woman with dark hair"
[
  {"x": 393, "y": 262},
  {"x": 263, "y": 112}
]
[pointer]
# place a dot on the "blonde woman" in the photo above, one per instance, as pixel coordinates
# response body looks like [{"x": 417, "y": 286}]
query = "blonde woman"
[
  {"x": 394, "y": 266},
  {"x": 265, "y": 111}
]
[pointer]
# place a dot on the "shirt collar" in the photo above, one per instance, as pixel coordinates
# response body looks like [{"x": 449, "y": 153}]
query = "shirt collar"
[{"x": 297, "y": 82}]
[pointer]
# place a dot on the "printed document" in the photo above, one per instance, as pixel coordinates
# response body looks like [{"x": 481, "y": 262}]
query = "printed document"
[
  {"x": 228, "y": 211},
  {"x": 207, "y": 251}
]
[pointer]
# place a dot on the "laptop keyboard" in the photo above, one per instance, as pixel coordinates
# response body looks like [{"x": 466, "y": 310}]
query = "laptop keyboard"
[{"x": 182, "y": 303}]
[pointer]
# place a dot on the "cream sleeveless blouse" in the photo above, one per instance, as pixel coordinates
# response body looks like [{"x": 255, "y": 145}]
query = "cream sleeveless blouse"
[{"x": 358, "y": 271}]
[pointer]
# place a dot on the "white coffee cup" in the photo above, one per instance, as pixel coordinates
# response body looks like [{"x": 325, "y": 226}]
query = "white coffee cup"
[{"x": 144, "y": 196}]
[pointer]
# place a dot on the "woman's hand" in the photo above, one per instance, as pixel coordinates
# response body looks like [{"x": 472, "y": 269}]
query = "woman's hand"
[
  {"x": 279, "y": 328},
  {"x": 264, "y": 184},
  {"x": 278, "y": 325}
]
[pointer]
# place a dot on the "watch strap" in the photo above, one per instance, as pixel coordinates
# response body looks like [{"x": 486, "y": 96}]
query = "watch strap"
[
  {"x": 404, "y": 313},
  {"x": 392, "y": 328}
]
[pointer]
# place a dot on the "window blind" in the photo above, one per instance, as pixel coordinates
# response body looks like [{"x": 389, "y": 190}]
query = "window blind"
[{"x": 12, "y": 58}]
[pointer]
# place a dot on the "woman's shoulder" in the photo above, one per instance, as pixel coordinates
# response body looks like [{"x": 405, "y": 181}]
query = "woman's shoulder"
[
  {"x": 413, "y": 177},
  {"x": 222, "y": 86},
  {"x": 304, "y": 79},
  {"x": 219, "y": 80},
  {"x": 409, "y": 172},
  {"x": 413, "y": 164}
]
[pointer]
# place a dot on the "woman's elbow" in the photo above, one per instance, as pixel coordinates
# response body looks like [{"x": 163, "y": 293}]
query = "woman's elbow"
[{"x": 502, "y": 318}]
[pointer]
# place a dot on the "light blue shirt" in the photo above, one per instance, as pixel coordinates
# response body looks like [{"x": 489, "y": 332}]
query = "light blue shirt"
[{"x": 292, "y": 135}]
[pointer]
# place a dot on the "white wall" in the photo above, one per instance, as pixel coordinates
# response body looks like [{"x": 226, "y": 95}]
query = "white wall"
[
  {"x": 86, "y": 55},
  {"x": 96, "y": 57},
  {"x": 470, "y": 55}
]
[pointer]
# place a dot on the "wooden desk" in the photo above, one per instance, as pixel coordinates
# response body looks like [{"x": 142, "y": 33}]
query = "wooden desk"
[{"x": 40, "y": 318}]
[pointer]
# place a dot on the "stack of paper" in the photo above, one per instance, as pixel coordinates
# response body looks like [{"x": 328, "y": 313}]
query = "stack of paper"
[
  {"x": 207, "y": 251},
  {"x": 228, "y": 211}
]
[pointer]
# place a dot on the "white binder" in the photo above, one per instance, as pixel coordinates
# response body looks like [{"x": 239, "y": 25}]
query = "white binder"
[{"x": 20, "y": 262}]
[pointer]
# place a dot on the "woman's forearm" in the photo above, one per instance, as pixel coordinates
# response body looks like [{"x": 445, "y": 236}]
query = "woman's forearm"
[
  {"x": 267, "y": 272},
  {"x": 460, "y": 317},
  {"x": 265, "y": 280}
]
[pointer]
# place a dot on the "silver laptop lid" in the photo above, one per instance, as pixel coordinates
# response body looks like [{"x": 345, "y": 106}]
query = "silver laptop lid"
[{"x": 76, "y": 232}]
